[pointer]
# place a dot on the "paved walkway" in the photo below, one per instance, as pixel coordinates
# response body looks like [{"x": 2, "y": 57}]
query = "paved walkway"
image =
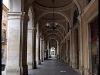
[{"x": 53, "y": 67}]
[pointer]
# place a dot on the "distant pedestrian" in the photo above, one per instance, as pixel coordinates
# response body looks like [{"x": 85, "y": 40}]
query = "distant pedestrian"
[{"x": 57, "y": 57}]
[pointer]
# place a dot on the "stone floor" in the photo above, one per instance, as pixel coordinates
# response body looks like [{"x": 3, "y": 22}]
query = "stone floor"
[{"x": 53, "y": 67}]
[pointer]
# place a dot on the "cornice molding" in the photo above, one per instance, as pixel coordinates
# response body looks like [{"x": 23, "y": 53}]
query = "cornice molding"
[
  {"x": 87, "y": 7},
  {"x": 15, "y": 13},
  {"x": 56, "y": 9}
]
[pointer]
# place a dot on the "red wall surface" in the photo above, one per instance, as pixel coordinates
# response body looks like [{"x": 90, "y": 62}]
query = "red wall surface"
[{"x": 94, "y": 30}]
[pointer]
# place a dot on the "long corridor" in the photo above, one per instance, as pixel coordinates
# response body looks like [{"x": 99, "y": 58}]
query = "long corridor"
[{"x": 53, "y": 67}]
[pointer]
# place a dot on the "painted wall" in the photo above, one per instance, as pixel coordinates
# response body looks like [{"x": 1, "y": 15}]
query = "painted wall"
[
  {"x": 4, "y": 26},
  {"x": 84, "y": 31}
]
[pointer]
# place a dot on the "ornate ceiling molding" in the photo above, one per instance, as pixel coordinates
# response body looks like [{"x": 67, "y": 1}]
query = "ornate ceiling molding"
[{"x": 56, "y": 9}]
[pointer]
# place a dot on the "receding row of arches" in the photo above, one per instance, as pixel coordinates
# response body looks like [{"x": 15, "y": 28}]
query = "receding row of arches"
[{"x": 31, "y": 42}]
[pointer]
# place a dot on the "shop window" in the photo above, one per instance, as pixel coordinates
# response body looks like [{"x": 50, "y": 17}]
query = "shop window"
[{"x": 94, "y": 47}]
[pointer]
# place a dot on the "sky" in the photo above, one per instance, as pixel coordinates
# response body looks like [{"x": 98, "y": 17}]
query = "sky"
[{"x": 5, "y": 2}]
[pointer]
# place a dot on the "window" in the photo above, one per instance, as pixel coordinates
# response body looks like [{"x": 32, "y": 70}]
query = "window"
[
  {"x": 2, "y": 53},
  {"x": 88, "y": 1},
  {"x": 68, "y": 26},
  {"x": 75, "y": 17},
  {"x": 4, "y": 20},
  {"x": 3, "y": 36}
]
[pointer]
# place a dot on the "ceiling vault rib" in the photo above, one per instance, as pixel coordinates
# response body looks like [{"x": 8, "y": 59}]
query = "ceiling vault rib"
[{"x": 49, "y": 20}]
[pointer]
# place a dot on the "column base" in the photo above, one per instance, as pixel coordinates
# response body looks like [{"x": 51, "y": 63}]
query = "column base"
[
  {"x": 42, "y": 59},
  {"x": 24, "y": 70},
  {"x": 12, "y": 70},
  {"x": 39, "y": 62},
  {"x": 35, "y": 66},
  {"x": 30, "y": 65}
]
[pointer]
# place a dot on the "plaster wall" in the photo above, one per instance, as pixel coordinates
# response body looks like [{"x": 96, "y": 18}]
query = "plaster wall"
[{"x": 84, "y": 33}]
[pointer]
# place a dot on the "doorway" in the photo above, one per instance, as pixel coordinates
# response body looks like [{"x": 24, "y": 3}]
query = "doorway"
[
  {"x": 76, "y": 48},
  {"x": 94, "y": 55}
]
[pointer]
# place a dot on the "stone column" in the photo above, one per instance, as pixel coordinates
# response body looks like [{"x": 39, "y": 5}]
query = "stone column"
[
  {"x": 34, "y": 48},
  {"x": 24, "y": 68},
  {"x": 64, "y": 52},
  {"x": 37, "y": 48},
  {"x": 60, "y": 52},
  {"x": 80, "y": 42},
  {"x": 39, "y": 51},
  {"x": 48, "y": 49},
  {"x": 13, "y": 47},
  {"x": 43, "y": 50},
  {"x": 29, "y": 49},
  {"x": 17, "y": 42},
  {"x": 17, "y": 39},
  {"x": 72, "y": 49},
  {"x": 57, "y": 49}
]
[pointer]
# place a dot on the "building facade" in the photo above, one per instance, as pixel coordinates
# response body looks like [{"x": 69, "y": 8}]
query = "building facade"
[{"x": 4, "y": 30}]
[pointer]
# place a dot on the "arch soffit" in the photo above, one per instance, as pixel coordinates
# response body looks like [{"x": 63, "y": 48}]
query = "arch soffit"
[
  {"x": 55, "y": 30},
  {"x": 78, "y": 5},
  {"x": 29, "y": 3},
  {"x": 48, "y": 40},
  {"x": 47, "y": 12},
  {"x": 53, "y": 34},
  {"x": 57, "y": 39}
]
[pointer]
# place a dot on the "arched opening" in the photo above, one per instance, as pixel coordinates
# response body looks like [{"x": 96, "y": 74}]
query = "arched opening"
[
  {"x": 52, "y": 52},
  {"x": 76, "y": 39},
  {"x": 94, "y": 52},
  {"x": 75, "y": 17}
]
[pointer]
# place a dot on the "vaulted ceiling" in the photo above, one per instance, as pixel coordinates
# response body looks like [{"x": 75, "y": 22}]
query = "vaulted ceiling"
[{"x": 43, "y": 11}]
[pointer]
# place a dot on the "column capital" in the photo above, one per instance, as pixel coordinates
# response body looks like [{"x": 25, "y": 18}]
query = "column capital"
[
  {"x": 41, "y": 39},
  {"x": 38, "y": 36},
  {"x": 34, "y": 29},
  {"x": 79, "y": 18},
  {"x": 15, "y": 13}
]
